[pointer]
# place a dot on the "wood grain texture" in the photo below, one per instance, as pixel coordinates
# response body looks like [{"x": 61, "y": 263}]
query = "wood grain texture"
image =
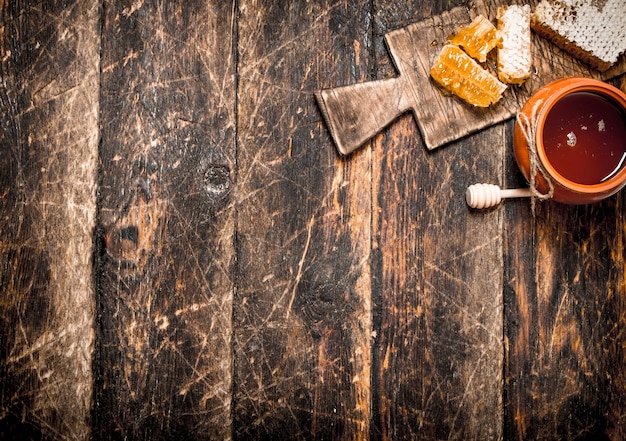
[
  {"x": 48, "y": 149},
  {"x": 163, "y": 359},
  {"x": 438, "y": 355},
  {"x": 566, "y": 323},
  {"x": 302, "y": 307},
  {"x": 357, "y": 112}
]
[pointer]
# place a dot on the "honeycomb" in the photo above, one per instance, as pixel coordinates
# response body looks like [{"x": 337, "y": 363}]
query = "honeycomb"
[
  {"x": 461, "y": 75},
  {"x": 478, "y": 38}
]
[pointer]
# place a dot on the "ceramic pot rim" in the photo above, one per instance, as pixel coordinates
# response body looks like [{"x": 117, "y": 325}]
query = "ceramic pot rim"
[{"x": 578, "y": 85}]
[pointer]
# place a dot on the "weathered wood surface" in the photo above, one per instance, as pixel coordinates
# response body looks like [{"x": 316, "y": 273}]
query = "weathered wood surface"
[
  {"x": 165, "y": 255},
  {"x": 49, "y": 58},
  {"x": 302, "y": 318},
  {"x": 251, "y": 283}
]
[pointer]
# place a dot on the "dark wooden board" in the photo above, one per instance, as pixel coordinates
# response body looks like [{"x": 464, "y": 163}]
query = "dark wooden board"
[
  {"x": 438, "y": 354},
  {"x": 165, "y": 221},
  {"x": 48, "y": 155},
  {"x": 302, "y": 306},
  {"x": 565, "y": 322}
]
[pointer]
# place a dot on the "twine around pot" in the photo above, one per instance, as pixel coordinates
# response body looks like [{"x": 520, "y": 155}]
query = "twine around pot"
[{"x": 528, "y": 127}]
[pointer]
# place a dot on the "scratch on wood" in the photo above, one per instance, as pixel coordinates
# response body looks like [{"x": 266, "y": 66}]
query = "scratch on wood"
[{"x": 300, "y": 265}]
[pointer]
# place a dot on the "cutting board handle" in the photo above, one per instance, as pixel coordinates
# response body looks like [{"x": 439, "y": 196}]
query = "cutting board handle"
[{"x": 356, "y": 113}]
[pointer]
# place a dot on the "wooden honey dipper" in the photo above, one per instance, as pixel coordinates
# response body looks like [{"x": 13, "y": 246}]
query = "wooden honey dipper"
[{"x": 490, "y": 195}]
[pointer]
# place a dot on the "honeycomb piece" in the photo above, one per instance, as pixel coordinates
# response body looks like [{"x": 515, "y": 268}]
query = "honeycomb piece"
[
  {"x": 514, "y": 47},
  {"x": 593, "y": 31},
  {"x": 463, "y": 76},
  {"x": 478, "y": 38}
]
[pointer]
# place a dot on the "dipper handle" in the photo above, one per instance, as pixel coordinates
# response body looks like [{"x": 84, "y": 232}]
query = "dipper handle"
[{"x": 490, "y": 195}]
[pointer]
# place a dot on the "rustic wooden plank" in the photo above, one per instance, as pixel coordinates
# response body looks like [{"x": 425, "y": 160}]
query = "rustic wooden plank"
[
  {"x": 302, "y": 306},
  {"x": 166, "y": 227},
  {"x": 49, "y": 73},
  {"x": 438, "y": 356},
  {"x": 566, "y": 323},
  {"x": 520, "y": 330}
]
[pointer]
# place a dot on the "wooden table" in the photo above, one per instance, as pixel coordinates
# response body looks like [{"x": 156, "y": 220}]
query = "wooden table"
[{"x": 184, "y": 255}]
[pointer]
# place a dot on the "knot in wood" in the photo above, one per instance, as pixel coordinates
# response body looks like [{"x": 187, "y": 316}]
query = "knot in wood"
[
  {"x": 217, "y": 181},
  {"x": 324, "y": 300}
]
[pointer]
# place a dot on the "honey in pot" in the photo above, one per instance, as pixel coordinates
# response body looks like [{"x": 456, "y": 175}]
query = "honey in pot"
[{"x": 584, "y": 137}]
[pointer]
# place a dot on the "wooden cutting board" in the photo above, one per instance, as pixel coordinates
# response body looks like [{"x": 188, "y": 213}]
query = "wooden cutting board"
[{"x": 357, "y": 112}]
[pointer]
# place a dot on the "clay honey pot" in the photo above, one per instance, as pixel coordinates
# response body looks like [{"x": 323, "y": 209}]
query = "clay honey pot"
[{"x": 572, "y": 134}]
